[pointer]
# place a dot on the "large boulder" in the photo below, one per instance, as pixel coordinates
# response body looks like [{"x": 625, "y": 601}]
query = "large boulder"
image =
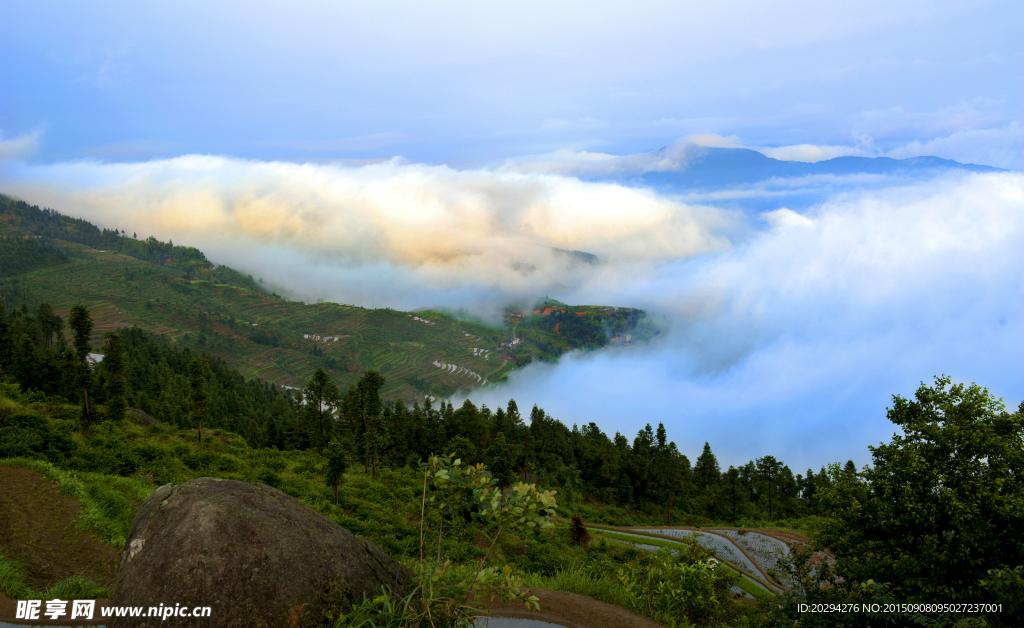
[{"x": 254, "y": 555}]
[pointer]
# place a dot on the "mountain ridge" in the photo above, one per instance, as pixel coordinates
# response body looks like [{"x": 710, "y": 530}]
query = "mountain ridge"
[{"x": 702, "y": 167}]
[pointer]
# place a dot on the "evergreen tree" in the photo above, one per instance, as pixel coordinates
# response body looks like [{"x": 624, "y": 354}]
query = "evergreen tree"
[
  {"x": 376, "y": 440},
  {"x": 81, "y": 323},
  {"x": 706, "y": 473},
  {"x": 197, "y": 387},
  {"x": 6, "y": 341},
  {"x": 787, "y": 488},
  {"x": 116, "y": 380},
  {"x": 321, "y": 397},
  {"x": 501, "y": 456},
  {"x": 807, "y": 486},
  {"x": 643, "y": 463},
  {"x": 362, "y": 407},
  {"x": 706, "y": 477},
  {"x": 462, "y": 448},
  {"x": 668, "y": 473},
  {"x": 733, "y": 490},
  {"x": 768, "y": 470},
  {"x": 512, "y": 416},
  {"x": 337, "y": 463},
  {"x": 49, "y": 323}
]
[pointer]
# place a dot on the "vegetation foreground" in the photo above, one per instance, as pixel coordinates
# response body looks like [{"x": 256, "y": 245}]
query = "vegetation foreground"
[{"x": 932, "y": 520}]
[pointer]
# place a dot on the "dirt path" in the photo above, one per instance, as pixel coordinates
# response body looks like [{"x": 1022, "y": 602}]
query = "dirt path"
[
  {"x": 575, "y": 611},
  {"x": 37, "y": 528}
]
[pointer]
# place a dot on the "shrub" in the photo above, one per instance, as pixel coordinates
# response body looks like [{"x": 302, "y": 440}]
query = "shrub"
[
  {"x": 674, "y": 591},
  {"x": 30, "y": 436},
  {"x": 578, "y": 534}
]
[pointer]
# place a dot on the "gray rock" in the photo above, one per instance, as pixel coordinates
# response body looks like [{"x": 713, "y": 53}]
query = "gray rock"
[{"x": 254, "y": 555}]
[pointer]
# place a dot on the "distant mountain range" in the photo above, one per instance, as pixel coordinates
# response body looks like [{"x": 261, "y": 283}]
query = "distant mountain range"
[{"x": 703, "y": 168}]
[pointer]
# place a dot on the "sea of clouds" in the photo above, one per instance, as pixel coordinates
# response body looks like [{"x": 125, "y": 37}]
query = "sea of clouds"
[{"x": 785, "y": 332}]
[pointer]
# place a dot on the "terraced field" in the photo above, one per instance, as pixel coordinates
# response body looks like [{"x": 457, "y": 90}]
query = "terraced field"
[
  {"x": 174, "y": 291},
  {"x": 766, "y": 550},
  {"x": 722, "y": 547},
  {"x": 243, "y": 327}
]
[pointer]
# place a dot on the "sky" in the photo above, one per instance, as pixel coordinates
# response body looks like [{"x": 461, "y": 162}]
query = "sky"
[{"x": 411, "y": 155}]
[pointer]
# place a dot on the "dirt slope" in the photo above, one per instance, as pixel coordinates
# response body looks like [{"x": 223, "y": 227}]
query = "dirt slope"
[{"x": 37, "y": 528}]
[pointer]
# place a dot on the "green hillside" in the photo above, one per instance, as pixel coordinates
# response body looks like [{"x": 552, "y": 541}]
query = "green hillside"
[{"x": 174, "y": 291}]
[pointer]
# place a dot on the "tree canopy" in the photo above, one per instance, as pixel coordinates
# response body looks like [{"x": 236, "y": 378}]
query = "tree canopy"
[{"x": 942, "y": 503}]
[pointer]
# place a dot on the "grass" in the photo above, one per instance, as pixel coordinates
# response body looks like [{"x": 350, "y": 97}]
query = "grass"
[
  {"x": 758, "y": 592},
  {"x": 745, "y": 583},
  {"x": 578, "y": 578},
  {"x": 804, "y": 526},
  {"x": 108, "y": 502},
  {"x": 12, "y": 584}
]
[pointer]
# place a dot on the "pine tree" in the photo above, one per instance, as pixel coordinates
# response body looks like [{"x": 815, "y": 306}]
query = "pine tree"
[
  {"x": 364, "y": 406},
  {"x": 733, "y": 490},
  {"x": 197, "y": 387},
  {"x": 337, "y": 463},
  {"x": 501, "y": 457},
  {"x": 116, "y": 383},
  {"x": 668, "y": 473},
  {"x": 81, "y": 323},
  {"x": 321, "y": 397},
  {"x": 49, "y": 323},
  {"x": 768, "y": 470},
  {"x": 705, "y": 471}
]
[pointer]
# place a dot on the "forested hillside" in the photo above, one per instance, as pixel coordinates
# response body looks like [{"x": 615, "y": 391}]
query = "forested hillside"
[
  {"x": 147, "y": 372},
  {"x": 174, "y": 291}
]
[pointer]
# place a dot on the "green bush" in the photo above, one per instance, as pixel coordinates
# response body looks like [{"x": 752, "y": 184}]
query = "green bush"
[
  {"x": 210, "y": 461},
  {"x": 31, "y": 436},
  {"x": 677, "y": 592},
  {"x": 102, "y": 460},
  {"x": 268, "y": 477}
]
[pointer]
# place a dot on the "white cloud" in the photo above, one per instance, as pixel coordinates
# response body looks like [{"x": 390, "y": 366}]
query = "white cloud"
[
  {"x": 784, "y": 218},
  {"x": 1002, "y": 147},
  {"x": 813, "y": 152},
  {"x": 427, "y": 228},
  {"x": 20, "y": 147},
  {"x": 789, "y": 341},
  {"x": 672, "y": 157},
  {"x": 794, "y": 342}
]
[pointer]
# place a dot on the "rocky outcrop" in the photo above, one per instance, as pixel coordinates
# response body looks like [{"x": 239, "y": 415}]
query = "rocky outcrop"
[{"x": 253, "y": 555}]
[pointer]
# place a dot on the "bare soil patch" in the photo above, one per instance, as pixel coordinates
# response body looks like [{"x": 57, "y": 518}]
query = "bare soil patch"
[{"x": 37, "y": 528}]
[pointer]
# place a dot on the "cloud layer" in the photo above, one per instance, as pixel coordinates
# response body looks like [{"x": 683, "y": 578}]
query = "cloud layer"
[
  {"x": 794, "y": 341},
  {"x": 787, "y": 336},
  {"x": 428, "y": 226}
]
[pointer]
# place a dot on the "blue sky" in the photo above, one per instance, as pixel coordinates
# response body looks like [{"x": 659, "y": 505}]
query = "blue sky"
[
  {"x": 467, "y": 82},
  {"x": 408, "y": 155}
]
